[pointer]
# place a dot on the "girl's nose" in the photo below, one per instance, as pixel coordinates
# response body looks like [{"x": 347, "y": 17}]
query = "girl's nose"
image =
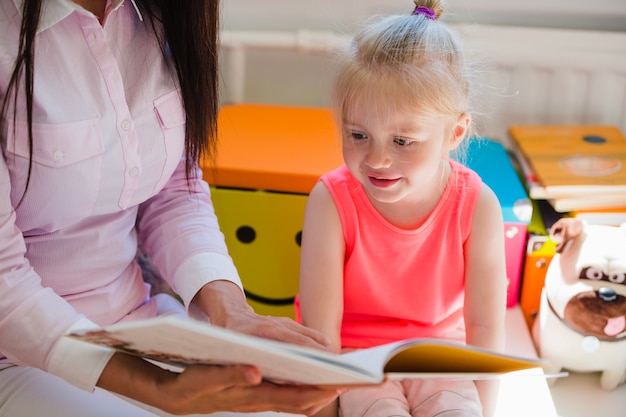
[{"x": 377, "y": 156}]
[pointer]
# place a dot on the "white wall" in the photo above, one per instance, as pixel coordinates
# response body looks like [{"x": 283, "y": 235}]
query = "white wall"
[{"x": 342, "y": 15}]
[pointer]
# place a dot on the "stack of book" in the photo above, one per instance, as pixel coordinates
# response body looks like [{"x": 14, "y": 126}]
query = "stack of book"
[
  {"x": 568, "y": 171},
  {"x": 578, "y": 170}
]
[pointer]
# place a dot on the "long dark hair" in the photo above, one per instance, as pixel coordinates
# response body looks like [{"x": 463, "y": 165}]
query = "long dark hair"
[{"x": 190, "y": 36}]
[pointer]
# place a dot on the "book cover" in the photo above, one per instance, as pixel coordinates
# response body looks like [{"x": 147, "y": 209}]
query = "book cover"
[
  {"x": 572, "y": 160},
  {"x": 181, "y": 342},
  {"x": 514, "y": 242},
  {"x": 491, "y": 160},
  {"x": 539, "y": 253},
  {"x": 544, "y": 217},
  {"x": 533, "y": 186},
  {"x": 588, "y": 202},
  {"x": 609, "y": 217}
]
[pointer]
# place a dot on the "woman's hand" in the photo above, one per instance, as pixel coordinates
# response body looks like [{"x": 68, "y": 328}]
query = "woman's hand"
[
  {"x": 206, "y": 389},
  {"x": 226, "y": 306},
  {"x": 277, "y": 328},
  {"x": 202, "y": 389}
]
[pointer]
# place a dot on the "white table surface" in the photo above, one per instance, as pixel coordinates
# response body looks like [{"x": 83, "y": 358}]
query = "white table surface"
[
  {"x": 580, "y": 395},
  {"x": 577, "y": 395}
]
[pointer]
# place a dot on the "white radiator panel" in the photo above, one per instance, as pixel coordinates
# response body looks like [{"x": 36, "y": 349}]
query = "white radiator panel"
[{"x": 534, "y": 76}]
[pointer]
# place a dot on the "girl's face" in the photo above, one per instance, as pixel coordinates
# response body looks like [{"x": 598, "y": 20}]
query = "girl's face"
[{"x": 399, "y": 155}]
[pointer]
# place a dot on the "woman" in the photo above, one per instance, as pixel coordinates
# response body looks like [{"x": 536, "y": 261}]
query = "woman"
[{"x": 106, "y": 108}]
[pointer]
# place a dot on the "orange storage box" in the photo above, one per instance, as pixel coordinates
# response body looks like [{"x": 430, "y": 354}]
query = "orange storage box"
[{"x": 277, "y": 148}]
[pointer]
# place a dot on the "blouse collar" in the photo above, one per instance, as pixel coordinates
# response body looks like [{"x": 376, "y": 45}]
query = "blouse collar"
[{"x": 54, "y": 11}]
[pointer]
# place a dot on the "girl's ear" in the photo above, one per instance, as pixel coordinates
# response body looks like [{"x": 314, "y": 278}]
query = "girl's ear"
[{"x": 460, "y": 130}]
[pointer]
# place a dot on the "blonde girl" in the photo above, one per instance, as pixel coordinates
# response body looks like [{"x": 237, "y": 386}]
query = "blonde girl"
[{"x": 402, "y": 241}]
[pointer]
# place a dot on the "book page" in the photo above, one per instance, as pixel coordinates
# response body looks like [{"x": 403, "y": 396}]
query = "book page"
[
  {"x": 184, "y": 342},
  {"x": 439, "y": 358}
]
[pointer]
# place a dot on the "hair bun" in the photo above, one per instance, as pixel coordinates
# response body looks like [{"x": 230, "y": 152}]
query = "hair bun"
[{"x": 430, "y": 9}]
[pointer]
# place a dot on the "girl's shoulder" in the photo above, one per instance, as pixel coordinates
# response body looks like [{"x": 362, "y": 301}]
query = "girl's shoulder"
[
  {"x": 465, "y": 178},
  {"x": 339, "y": 178},
  {"x": 341, "y": 173}
]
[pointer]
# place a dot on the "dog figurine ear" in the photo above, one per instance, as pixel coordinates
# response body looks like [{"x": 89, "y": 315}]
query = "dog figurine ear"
[{"x": 564, "y": 231}]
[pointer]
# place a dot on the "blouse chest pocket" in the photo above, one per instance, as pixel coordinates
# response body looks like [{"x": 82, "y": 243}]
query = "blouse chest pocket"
[
  {"x": 170, "y": 113},
  {"x": 66, "y": 172}
]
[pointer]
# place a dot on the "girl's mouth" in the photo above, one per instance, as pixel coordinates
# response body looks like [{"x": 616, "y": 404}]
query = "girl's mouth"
[{"x": 382, "y": 182}]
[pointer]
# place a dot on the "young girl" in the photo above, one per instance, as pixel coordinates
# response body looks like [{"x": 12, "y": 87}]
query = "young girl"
[
  {"x": 402, "y": 241},
  {"x": 105, "y": 108}
]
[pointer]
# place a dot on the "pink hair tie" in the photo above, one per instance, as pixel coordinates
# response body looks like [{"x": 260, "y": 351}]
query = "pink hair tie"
[{"x": 429, "y": 13}]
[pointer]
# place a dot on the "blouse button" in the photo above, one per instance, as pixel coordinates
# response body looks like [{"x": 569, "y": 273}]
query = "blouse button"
[
  {"x": 133, "y": 172},
  {"x": 57, "y": 155},
  {"x": 125, "y": 125}
]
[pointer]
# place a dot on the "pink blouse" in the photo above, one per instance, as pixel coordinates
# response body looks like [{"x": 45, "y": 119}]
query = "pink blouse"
[{"x": 107, "y": 174}]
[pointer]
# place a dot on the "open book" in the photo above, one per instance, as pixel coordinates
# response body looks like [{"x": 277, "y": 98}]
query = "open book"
[{"x": 181, "y": 342}]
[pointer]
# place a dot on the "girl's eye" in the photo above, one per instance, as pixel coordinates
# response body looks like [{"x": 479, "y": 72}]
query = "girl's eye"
[
  {"x": 402, "y": 142},
  {"x": 358, "y": 136}
]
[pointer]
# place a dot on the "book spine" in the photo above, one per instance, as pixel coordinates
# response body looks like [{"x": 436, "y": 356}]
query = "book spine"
[{"x": 535, "y": 190}]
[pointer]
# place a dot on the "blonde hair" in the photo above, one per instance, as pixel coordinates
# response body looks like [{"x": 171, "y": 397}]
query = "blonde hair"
[{"x": 410, "y": 61}]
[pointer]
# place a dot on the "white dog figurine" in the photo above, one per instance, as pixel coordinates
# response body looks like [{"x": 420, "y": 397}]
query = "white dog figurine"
[{"x": 581, "y": 324}]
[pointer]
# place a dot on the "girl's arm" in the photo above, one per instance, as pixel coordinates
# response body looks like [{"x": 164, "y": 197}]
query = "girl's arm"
[
  {"x": 321, "y": 267},
  {"x": 321, "y": 270},
  {"x": 486, "y": 285}
]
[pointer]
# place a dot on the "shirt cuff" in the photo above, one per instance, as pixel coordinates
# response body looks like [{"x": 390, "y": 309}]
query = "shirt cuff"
[
  {"x": 200, "y": 269},
  {"x": 77, "y": 362}
]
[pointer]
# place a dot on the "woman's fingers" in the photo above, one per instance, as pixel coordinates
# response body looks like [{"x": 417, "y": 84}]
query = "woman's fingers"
[{"x": 207, "y": 389}]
